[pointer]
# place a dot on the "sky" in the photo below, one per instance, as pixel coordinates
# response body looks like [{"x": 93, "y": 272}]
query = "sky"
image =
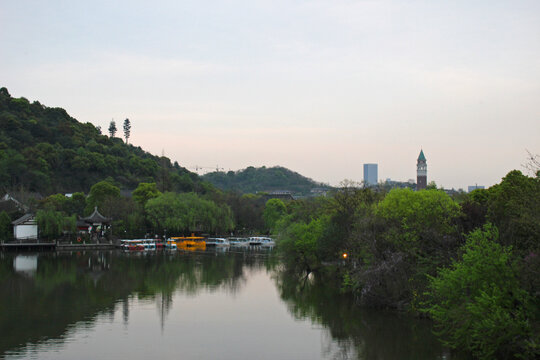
[{"x": 319, "y": 87}]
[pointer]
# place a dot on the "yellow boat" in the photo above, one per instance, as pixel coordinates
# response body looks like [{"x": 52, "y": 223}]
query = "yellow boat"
[{"x": 190, "y": 242}]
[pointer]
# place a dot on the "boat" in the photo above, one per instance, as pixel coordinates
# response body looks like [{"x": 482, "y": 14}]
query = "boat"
[
  {"x": 149, "y": 244},
  {"x": 171, "y": 244},
  {"x": 268, "y": 242},
  {"x": 132, "y": 244},
  {"x": 217, "y": 242},
  {"x": 261, "y": 241},
  {"x": 238, "y": 242},
  {"x": 189, "y": 242}
]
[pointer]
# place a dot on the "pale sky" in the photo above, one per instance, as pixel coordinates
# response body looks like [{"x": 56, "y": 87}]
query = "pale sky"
[{"x": 320, "y": 87}]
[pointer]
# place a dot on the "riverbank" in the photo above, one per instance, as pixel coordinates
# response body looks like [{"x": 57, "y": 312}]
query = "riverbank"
[{"x": 46, "y": 246}]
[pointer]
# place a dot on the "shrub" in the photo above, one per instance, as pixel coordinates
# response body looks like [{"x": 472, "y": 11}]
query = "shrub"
[{"x": 477, "y": 303}]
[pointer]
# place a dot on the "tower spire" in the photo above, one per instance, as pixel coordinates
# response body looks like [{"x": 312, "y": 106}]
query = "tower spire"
[{"x": 421, "y": 171}]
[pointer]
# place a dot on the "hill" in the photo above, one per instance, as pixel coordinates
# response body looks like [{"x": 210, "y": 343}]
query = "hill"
[
  {"x": 263, "y": 179},
  {"x": 44, "y": 149}
]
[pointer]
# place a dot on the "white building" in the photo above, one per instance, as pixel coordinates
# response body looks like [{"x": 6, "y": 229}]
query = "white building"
[
  {"x": 371, "y": 177},
  {"x": 25, "y": 227}
]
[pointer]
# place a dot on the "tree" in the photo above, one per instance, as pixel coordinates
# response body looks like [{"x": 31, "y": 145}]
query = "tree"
[
  {"x": 514, "y": 208},
  {"x": 273, "y": 211},
  {"x": 533, "y": 163},
  {"x": 478, "y": 304},
  {"x": 145, "y": 192},
  {"x": 112, "y": 128},
  {"x": 99, "y": 194},
  {"x": 188, "y": 212},
  {"x": 5, "y": 226},
  {"x": 415, "y": 212},
  {"x": 127, "y": 129},
  {"x": 50, "y": 223}
]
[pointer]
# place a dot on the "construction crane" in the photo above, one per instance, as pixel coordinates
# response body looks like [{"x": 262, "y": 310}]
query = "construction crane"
[{"x": 207, "y": 168}]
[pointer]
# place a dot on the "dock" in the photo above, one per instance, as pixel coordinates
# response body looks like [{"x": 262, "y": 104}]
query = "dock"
[
  {"x": 49, "y": 245},
  {"x": 27, "y": 246}
]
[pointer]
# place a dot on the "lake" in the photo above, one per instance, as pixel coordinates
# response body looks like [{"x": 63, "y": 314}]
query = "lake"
[{"x": 189, "y": 305}]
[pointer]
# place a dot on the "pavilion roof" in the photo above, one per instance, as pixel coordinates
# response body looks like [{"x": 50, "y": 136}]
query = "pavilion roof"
[{"x": 96, "y": 217}]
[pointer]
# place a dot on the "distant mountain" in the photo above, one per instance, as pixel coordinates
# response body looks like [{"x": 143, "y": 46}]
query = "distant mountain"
[
  {"x": 263, "y": 179},
  {"x": 44, "y": 149}
]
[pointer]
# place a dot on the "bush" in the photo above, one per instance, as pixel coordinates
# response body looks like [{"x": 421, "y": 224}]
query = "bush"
[{"x": 477, "y": 303}]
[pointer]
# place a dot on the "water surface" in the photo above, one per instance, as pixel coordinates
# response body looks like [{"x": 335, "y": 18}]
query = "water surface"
[{"x": 208, "y": 305}]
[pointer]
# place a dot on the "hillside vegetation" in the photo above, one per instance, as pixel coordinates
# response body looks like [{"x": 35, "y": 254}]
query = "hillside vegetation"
[
  {"x": 263, "y": 179},
  {"x": 44, "y": 149}
]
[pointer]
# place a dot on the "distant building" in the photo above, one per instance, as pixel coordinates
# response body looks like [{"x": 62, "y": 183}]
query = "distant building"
[
  {"x": 278, "y": 194},
  {"x": 474, "y": 187},
  {"x": 318, "y": 191},
  {"x": 421, "y": 171},
  {"x": 370, "y": 174},
  {"x": 25, "y": 227}
]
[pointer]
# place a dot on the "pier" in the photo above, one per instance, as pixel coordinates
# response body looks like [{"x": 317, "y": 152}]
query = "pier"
[{"x": 49, "y": 245}]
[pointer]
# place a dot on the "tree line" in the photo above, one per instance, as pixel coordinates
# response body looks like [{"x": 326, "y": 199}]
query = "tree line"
[
  {"x": 43, "y": 149},
  {"x": 146, "y": 211},
  {"x": 470, "y": 262}
]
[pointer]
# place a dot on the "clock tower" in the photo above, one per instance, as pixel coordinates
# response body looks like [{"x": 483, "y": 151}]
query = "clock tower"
[{"x": 421, "y": 171}]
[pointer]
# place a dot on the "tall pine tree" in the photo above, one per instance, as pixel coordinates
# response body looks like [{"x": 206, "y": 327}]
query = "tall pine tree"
[
  {"x": 127, "y": 129},
  {"x": 112, "y": 128}
]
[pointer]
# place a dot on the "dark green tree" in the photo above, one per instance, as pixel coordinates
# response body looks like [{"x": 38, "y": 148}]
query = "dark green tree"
[
  {"x": 127, "y": 129},
  {"x": 478, "y": 304},
  {"x": 145, "y": 192},
  {"x": 100, "y": 195},
  {"x": 112, "y": 128},
  {"x": 5, "y": 226}
]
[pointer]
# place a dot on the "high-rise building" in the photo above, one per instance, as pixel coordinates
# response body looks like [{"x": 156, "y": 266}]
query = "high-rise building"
[
  {"x": 370, "y": 174},
  {"x": 421, "y": 171}
]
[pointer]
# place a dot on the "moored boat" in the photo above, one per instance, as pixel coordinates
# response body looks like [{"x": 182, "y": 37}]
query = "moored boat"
[
  {"x": 217, "y": 242},
  {"x": 170, "y": 244},
  {"x": 132, "y": 244},
  {"x": 238, "y": 242},
  {"x": 268, "y": 242},
  {"x": 261, "y": 241},
  {"x": 189, "y": 242}
]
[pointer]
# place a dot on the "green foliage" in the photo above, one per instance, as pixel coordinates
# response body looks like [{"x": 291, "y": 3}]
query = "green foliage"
[
  {"x": 50, "y": 223},
  {"x": 145, "y": 192},
  {"x": 477, "y": 302},
  {"x": 412, "y": 212},
  {"x": 188, "y": 212},
  {"x": 99, "y": 194},
  {"x": 299, "y": 242},
  {"x": 252, "y": 180},
  {"x": 45, "y": 150},
  {"x": 274, "y": 210},
  {"x": 112, "y": 128},
  {"x": 127, "y": 129},
  {"x": 514, "y": 207},
  {"x": 5, "y": 226}
]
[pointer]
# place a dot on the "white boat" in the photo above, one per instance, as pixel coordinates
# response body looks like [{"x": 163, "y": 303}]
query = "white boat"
[
  {"x": 261, "y": 241},
  {"x": 217, "y": 242},
  {"x": 149, "y": 244},
  {"x": 238, "y": 242},
  {"x": 138, "y": 244},
  {"x": 268, "y": 242}
]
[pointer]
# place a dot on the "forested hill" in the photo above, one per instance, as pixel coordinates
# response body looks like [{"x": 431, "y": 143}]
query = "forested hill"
[
  {"x": 252, "y": 180},
  {"x": 44, "y": 149}
]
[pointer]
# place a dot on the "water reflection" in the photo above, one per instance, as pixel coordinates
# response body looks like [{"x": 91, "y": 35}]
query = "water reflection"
[
  {"x": 70, "y": 295},
  {"x": 353, "y": 332},
  {"x": 25, "y": 264},
  {"x": 68, "y": 288}
]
